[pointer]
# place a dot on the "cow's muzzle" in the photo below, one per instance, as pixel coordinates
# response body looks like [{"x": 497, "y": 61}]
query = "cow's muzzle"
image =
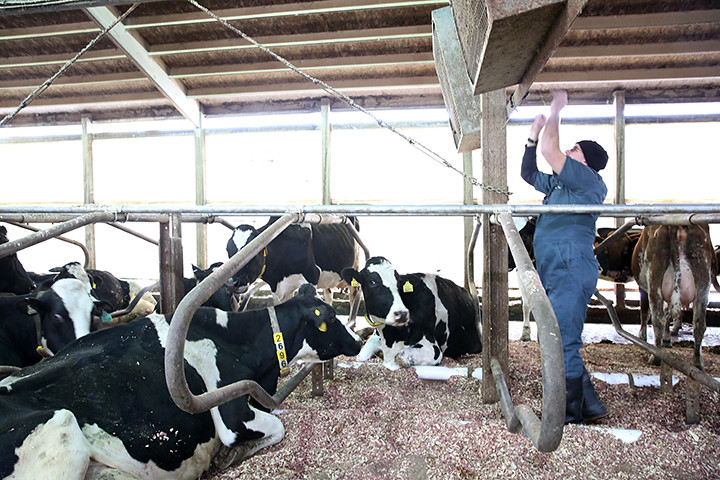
[{"x": 401, "y": 317}]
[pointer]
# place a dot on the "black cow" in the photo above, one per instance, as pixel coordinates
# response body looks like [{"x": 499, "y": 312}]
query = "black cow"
[
  {"x": 33, "y": 325},
  {"x": 300, "y": 254},
  {"x": 125, "y": 420},
  {"x": 419, "y": 318},
  {"x": 13, "y": 277},
  {"x": 221, "y": 298}
]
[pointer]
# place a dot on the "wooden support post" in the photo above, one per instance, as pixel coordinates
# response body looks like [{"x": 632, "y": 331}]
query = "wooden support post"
[
  {"x": 666, "y": 372},
  {"x": 325, "y": 149},
  {"x": 619, "y": 98},
  {"x": 317, "y": 381},
  {"x": 200, "y": 195},
  {"x": 88, "y": 189},
  {"x": 495, "y": 314},
  {"x": 692, "y": 401},
  {"x": 171, "y": 264}
]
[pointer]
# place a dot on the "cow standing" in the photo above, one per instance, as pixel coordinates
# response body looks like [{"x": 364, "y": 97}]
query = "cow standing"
[
  {"x": 300, "y": 254},
  {"x": 101, "y": 405},
  {"x": 675, "y": 266},
  {"x": 13, "y": 277},
  {"x": 419, "y": 318}
]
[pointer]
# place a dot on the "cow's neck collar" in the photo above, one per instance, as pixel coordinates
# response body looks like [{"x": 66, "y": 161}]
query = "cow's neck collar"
[
  {"x": 372, "y": 323},
  {"x": 42, "y": 351},
  {"x": 279, "y": 343},
  {"x": 262, "y": 271}
]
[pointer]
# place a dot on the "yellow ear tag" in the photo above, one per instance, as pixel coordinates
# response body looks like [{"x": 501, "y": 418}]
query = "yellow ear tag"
[
  {"x": 317, "y": 312},
  {"x": 322, "y": 327},
  {"x": 407, "y": 288},
  {"x": 354, "y": 283}
]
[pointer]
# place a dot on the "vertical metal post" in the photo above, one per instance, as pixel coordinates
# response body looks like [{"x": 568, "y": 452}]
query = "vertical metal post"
[
  {"x": 88, "y": 189},
  {"x": 200, "y": 194},
  {"x": 171, "y": 264},
  {"x": 495, "y": 313},
  {"x": 325, "y": 139},
  {"x": 468, "y": 224},
  {"x": 619, "y": 124}
]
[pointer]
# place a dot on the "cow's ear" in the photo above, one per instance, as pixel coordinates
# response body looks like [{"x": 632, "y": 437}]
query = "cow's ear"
[
  {"x": 319, "y": 317},
  {"x": 195, "y": 270},
  {"x": 351, "y": 276},
  {"x": 30, "y": 306},
  {"x": 307, "y": 290}
]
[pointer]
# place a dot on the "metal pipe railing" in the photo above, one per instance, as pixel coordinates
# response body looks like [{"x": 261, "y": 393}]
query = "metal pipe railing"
[
  {"x": 675, "y": 362},
  {"x": 15, "y": 246},
  {"x": 175, "y": 350},
  {"x": 194, "y": 213},
  {"x": 545, "y": 433},
  {"x": 86, "y": 252}
]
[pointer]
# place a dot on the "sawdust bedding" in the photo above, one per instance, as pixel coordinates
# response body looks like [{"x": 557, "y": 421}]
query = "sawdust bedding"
[{"x": 373, "y": 423}]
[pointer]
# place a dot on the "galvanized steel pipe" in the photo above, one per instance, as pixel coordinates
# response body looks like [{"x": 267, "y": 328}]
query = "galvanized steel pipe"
[
  {"x": 675, "y": 362},
  {"x": 547, "y": 432},
  {"x": 38, "y": 237}
]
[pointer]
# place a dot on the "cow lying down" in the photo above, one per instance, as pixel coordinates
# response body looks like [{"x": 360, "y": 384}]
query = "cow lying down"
[
  {"x": 101, "y": 407},
  {"x": 418, "y": 318}
]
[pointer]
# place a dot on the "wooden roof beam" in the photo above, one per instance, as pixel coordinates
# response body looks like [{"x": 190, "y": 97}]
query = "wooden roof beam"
[{"x": 153, "y": 68}]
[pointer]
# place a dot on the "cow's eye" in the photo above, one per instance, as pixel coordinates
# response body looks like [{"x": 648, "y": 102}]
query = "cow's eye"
[
  {"x": 59, "y": 318},
  {"x": 372, "y": 283}
]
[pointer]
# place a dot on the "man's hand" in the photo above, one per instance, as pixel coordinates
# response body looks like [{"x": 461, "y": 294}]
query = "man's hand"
[
  {"x": 537, "y": 126},
  {"x": 560, "y": 99}
]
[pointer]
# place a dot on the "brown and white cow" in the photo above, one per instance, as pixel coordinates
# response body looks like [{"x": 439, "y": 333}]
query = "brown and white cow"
[{"x": 674, "y": 267}]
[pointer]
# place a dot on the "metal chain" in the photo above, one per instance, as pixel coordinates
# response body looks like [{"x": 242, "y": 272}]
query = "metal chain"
[
  {"x": 35, "y": 93},
  {"x": 341, "y": 96}
]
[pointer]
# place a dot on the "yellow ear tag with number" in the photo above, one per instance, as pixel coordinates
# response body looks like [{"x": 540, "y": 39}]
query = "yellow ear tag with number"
[
  {"x": 322, "y": 327},
  {"x": 354, "y": 283},
  {"x": 407, "y": 288}
]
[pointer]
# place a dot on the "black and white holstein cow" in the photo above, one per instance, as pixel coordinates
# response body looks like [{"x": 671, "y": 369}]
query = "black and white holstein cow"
[
  {"x": 419, "y": 318},
  {"x": 112, "y": 294},
  {"x": 13, "y": 277},
  {"x": 32, "y": 327},
  {"x": 301, "y": 254},
  {"x": 222, "y": 298},
  {"x": 674, "y": 267},
  {"x": 101, "y": 405}
]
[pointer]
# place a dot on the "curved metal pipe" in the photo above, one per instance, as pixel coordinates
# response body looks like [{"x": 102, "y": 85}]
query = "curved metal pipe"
[
  {"x": 675, "y": 362},
  {"x": 82, "y": 247},
  {"x": 545, "y": 433},
  {"x": 136, "y": 299},
  {"x": 133, "y": 233},
  {"x": 175, "y": 350},
  {"x": 56, "y": 230},
  {"x": 611, "y": 238}
]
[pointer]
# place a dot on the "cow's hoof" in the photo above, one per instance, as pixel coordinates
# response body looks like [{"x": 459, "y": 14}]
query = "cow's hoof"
[{"x": 225, "y": 457}]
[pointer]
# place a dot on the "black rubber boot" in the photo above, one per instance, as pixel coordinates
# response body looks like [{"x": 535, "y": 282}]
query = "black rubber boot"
[
  {"x": 574, "y": 400},
  {"x": 592, "y": 408}
]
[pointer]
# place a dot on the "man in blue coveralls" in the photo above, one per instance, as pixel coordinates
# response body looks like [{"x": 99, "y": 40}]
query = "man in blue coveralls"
[{"x": 563, "y": 245}]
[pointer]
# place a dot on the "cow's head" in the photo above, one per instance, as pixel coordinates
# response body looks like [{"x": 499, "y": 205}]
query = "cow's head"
[
  {"x": 322, "y": 335},
  {"x": 13, "y": 277},
  {"x": 379, "y": 283},
  {"x": 73, "y": 270},
  {"x": 65, "y": 312},
  {"x": 241, "y": 236}
]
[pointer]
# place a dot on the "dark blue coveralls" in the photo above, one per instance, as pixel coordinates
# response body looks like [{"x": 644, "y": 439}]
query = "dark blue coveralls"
[{"x": 563, "y": 246}]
